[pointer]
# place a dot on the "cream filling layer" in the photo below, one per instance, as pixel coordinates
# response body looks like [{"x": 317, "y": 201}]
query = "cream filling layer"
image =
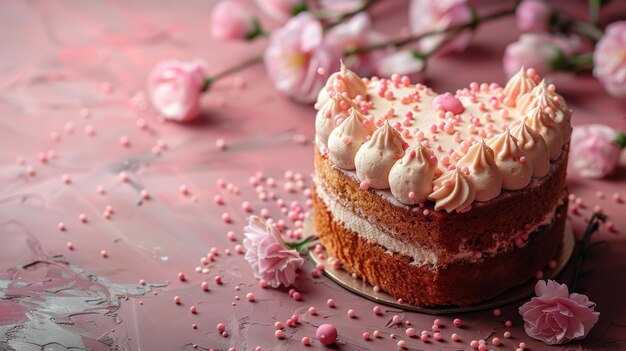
[{"x": 358, "y": 223}]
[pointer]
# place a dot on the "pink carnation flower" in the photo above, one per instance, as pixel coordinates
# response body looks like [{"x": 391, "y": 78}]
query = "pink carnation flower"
[
  {"x": 429, "y": 15},
  {"x": 536, "y": 51},
  {"x": 268, "y": 256},
  {"x": 555, "y": 316},
  {"x": 533, "y": 16},
  {"x": 594, "y": 152},
  {"x": 231, "y": 21},
  {"x": 175, "y": 88},
  {"x": 609, "y": 59},
  {"x": 295, "y": 53}
]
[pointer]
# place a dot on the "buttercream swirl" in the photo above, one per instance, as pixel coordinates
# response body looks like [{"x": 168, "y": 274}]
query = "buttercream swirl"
[
  {"x": 551, "y": 102},
  {"x": 345, "y": 140},
  {"x": 375, "y": 158},
  {"x": 326, "y": 118},
  {"x": 533, "y": 144},
  {"x": 515, "y": 167},
  {"x": 453, "y": 191},
  {"x": 540, "y": 122},
  {"x": 344, "y": 82},
  {"x": 517, "y": 86},
  {"x": 483, "y": 171},
  {"x": 411, "y": 177}
]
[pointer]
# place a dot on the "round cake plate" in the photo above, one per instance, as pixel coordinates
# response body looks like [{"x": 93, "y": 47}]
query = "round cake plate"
[{"x": 364, "y": 289}]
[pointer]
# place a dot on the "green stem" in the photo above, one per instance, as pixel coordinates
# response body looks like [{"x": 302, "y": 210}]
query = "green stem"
[
  {"x": 583, "y": 250},
  {"x": 620, "y": 140},
  {"x": 301, "y": 245},
  {"x": 208, "y": 81},
  {"x": 587, "y": 30},
  {"x": 477, "y": 20},
  {"x": 594, "y": 12}
]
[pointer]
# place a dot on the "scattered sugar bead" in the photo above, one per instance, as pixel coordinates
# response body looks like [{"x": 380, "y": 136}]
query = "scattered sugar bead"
[
  {"x": 61, "y": 226},
  {"x": 306, "y": 341},
  {"x": 410, "y": 332},
  {"x": 438, "y": 336},
  {"x": 218, "y": 200},
  {"x": 617, "y": 197},
  {"x": 226, "y": 217},
  {"x": 352, "y": 313},
  {"x": 224, "y": 333},
  {"x": 263, "y": 283},
  {"x": 231, "y": 236},
  {"x": 144, "y": 194},
  {"x": 482, "y": 347},
  {"x": 495, "y": 341},
  {"x": 220, "y": 327},
  {"x": 218, "y": 279},
  {"x": 552, "y": 264},
  {"x": 315, "y": 273},
  {"x": 240, "y": 249},
  {"x": 376, "y": 288},
  {"x": 365, "y": 185},
  {"x": 497, "y": 312},
  {"x": 297, "y": 296},
  {"x": 183, "y": 189},
  {"x": 177, "y": 300},
  {"x": 70, "y": 246},
  {"x": 474, "y": 344},
  {"x": 291, "y": 291},
  {"x": 123, "y": 176},
  {"x": 366, "y": 336},
  {"x": 330, "y": 303},
  {"x": 507, "y": 334},
  {"x": 434, "y": 328},
  {"x": 82, "y": 217},
  {"x": 220, "y": 144},
  {"x": 290, "y": 323},
  {"x": 457, "y": 322},
  {"x": 278, "y": 325},
  {"x": 279, "y": 334},
  {"x": 402, "y": 344},
  {"x": 377, "y": 310},
  {"x": 250, "y": 297},
  {"x": 518, "y": 349},
  {"x": 455, "y": 337},
  {"x": 205, "y": 286},
  {"x": 326, "y": 334},
  {"x": 194, "y": 326},
  {"x": 104, "y": 253},
  {"x": 400, "y": 301},
  {"x": 539, "y": 275},
  {"x": 377, "y": 334},
  {"x": 100, "y": 189},
  {"x": 522, "y": 345},
  {"x": 312, "y": 311},
  {"x": 66, "y": 179},
  {"x": 396, "y": 319},
  {"x": 181, "y": 276},
  {"x": 438, "y": 322},
  {"x": 424, "y": 337},
  {"x": 193, "y": 309}
]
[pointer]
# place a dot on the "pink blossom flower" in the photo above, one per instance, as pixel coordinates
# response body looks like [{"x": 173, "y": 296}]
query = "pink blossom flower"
[
  {"x": 555, "y": 316},
  {"x": 533, "y": 16},
  {"x": 294, "y": 54},
  {"x": 401, "y": 62},
  {"x": 340, "y": 7},
  {"x": 355, "y": 33},
  {"x": 230, "y": 21},
  {"x": 594, "y": 152},
  {"x": 538, "y": 51},
  {"x": 429, "y": 15},
  {"x": 267, "y": 254},
  {"x": 281, "y": 10},
  {"x": 175, "y": 88},
  {"x": 609, "y": 59}
]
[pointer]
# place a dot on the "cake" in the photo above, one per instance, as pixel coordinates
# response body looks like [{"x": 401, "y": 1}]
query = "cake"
[{"x": 441, "y": 199}]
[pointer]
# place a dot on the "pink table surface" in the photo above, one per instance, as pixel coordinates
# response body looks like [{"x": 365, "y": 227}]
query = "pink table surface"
[{"x": 56, "y": 58}]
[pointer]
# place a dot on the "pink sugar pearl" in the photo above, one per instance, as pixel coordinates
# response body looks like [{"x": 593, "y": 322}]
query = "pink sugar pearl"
[
  {"x": 278, "y": 325},
  {"x": 177, "y": 300},
  {"x": 474, "y": 344},
  {"x": 326, "y": 334},
  {"x": 495, "y": 341},
  {"x": 250, "y": 297},
  {"x": 193, "y": 309},
  {"x": 306, "y": 341},
  {"x": 424, "y": 337},
  {"x": 220, "y": 327},
  {"x": 280, "y": 334},
  {"x": 312, "y": 311},
  {"x": 396, "y": 319},
  {"x": 482, "y": 347},
  {"x": 330, "y": 303},
  {"x": 410, "y": 332},
  {"x": 352, "y": 313},
  {"x": 205, "y": 286},
  {"x": 438, "y": 336},
  {"x": 366, "y": 336},
  {"x": 457, "y": 322},
  {"x": 402, "y": 344},
  {"x": 297, "y": 296},
  {"x": 104, "y": 253},
  {"x": 377, "y": 310},
  {"x": 181, "y": 276},
  {"x": 455, "y": 337},
  {"x": 507, "y": 334}
]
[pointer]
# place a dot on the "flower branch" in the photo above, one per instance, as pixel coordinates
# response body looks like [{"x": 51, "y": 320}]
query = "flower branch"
[{"x": 583, "y": 250}]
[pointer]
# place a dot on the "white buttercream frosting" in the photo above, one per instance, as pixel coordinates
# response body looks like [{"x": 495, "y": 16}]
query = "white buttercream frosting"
[
  {"x": 534, "y": 146},
  {"x": 517, "y": 86},
  {"x": 411, "y": 177},
  {"x": 483, "y": 171},
  {"x": 515, "y": 167},
  {"x": 344, "y": 82},
  {"x": 540, "y": 122},
  {"x": 553, "y": 103},
  {"x": 325, "y": 120},
  {"x": 345, "y": 140},
  {"x": 376, "y": 156},
  {"x": 453, "y": 191}
]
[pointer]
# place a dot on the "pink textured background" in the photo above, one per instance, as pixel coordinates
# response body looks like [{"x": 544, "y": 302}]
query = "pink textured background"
[{"x": 56, "y": 56}]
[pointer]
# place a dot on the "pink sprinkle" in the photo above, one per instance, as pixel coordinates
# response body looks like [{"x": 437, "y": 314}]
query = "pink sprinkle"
[
  {"x": 455, "y": 337},
  {"x": 218, "y": 279},
  {"x": 66, "y": 179},
  {"x": 424, "y": 337},
  {"x": 539, "y": 275},
  {"x": 250, "y": 297},
  {"x": 306, "y": 341},
  {"x": 177, "y": 300},
  {"x": 124, "y": 141},
  {"x": 297, "y": 296},
  {"x": 321, "y": 71},
  {"x": 507, "y": 334},
  {"x": 412, "y": 195},
  {"x": 352, "y": 313},
  {"x": 226, "y": 217},
  {"x": 278, "y": 325},
  {"x": 438, "y": 336},
  {"x": 482, "y": 347},
  {"x": 218, "y": 200},
  {"x": 205, "y": 286},
  {"x": 181, "y": 276},
  {"x": 183, "y": 189},
  {"x": 508, "y": 324},
  {"x": 402, "y": 344},
  {"x": 82, "y": 217},
  {"x": 617, "y": 197},
  {"x": 246, "y": 206},
  {"x": 457, "y": 322},
  {"x": 366, "y": 335},
  {"x": 377, "y": 310},
  {"x": 377, "y": 334},
  {"x": 104, "y": 253},
  {"x": 365, "y": 185},
  {"x": 295, "y": 318},
  {"x": 396, "y": 319},
  {"x": 497, "y": 312},
  {"x": 263, "y": 283},
  {"x": 410, "y": 332},
  {"x": 312, "y": 311},
  {"x": 70, "y": 246},
  {"x": 194, "y": 326},
  {"x": 280, "y": 334},
  {"x": 522, "y": 345},
  {"x": 231, "y": 236},
  {"x": 495, "y": 341},
  {"x": 438, "y": 322},
  {"x": 220, "y": 144},
  {"x": 330, "y": 303},
  {"x": 144, "y": 194},
  {"x": 61, "y": 226},
  {"x": 193, "y": 309},
  {"x": 474, "y": 344}
]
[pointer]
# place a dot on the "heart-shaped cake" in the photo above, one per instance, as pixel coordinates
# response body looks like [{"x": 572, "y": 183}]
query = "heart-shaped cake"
[{"x": 441, "y": 199}]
